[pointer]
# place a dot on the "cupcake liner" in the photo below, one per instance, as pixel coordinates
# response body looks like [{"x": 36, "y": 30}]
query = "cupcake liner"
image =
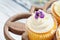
[
  {"x": 41, "y": 37},
  {"x": 57, "y": 33}
]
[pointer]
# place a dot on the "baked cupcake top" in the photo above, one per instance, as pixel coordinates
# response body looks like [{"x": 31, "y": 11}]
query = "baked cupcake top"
[
  {"x": 56, "y": 7},
  {"x": 40, "y": 22}
]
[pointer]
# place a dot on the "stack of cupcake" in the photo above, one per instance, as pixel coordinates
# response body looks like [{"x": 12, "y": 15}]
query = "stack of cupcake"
[
  {"x": 55, "y": 9},
  {"x": 43, "y": 26}
]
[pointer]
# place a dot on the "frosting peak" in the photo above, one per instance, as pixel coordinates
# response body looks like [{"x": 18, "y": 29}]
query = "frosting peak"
[{"x": 40, "y": 25}]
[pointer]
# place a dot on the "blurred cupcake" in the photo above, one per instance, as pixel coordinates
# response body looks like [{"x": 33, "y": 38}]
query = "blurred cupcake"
[
  {"x": 55, "y": 8},
  {"x": 41, "y": 26},
  {"x": 58, "y": 33}
]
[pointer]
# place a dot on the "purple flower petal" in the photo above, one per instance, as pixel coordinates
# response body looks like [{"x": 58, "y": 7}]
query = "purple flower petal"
[
  {"x": 37, "y": 15},
  {"x": 41, "y": 14}
]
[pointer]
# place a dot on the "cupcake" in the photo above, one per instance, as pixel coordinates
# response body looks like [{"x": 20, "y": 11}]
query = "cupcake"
[
  {"x": 58, "y": 33},
  {"x": 41, "y": 26},
  {"x": 55, "y": 9}
]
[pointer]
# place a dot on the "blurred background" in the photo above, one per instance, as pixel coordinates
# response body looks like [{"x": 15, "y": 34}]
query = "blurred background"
[{"x": 9, "y": 8}]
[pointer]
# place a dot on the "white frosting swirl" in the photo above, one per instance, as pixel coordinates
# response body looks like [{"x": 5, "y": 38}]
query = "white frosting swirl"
[
  {"x": 40, "y": 25},
  {"x": 57, "y": 7}
]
